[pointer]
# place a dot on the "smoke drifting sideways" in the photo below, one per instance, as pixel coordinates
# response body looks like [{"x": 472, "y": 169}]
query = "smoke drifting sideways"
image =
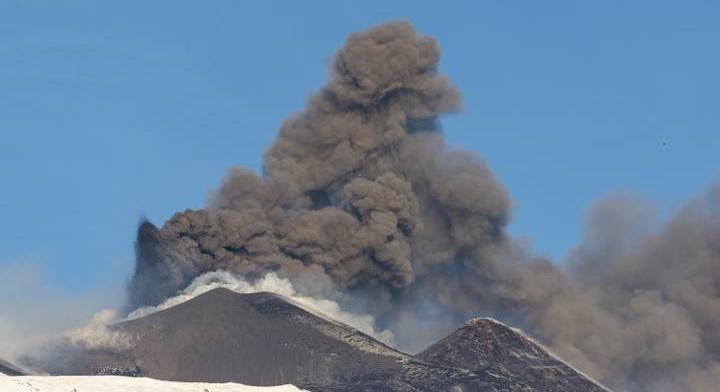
[
  {"x": 648, "y": 313},
  {"x": 360, "y": 195},
  {"x": 35, "y": 311}
]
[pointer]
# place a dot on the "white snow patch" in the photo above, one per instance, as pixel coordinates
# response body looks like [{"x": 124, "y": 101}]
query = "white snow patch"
[
  {"x": 273, "y": 284},
  {"x": 122, "y": 384}
]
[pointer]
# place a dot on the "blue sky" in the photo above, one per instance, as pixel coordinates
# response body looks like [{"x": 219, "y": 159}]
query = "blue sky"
[{"x": 113, "y": 111}]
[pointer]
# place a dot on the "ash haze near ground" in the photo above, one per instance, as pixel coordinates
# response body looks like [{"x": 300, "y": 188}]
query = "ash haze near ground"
[{"x": 362, "y": 201}]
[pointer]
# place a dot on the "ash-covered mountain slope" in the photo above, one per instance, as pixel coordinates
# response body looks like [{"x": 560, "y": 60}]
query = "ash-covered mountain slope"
[
  {"x": 487, "y": 345},
  {"x": 266, "y": 339},
  {"x": 255, "y": 339},
  {"x": 9, "y": 369}
]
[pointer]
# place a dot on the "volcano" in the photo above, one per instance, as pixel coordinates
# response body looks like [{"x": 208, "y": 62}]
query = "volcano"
[
  {"x": 223, "y": 336},
  {"x": 266, "y": 339}
]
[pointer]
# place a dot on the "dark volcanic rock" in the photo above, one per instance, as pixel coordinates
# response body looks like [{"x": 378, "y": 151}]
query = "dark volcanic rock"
[
  {"x": 9, "y": 369},
  {"x": 266, "y": 339},
  {"x": 486, "y": 345}
]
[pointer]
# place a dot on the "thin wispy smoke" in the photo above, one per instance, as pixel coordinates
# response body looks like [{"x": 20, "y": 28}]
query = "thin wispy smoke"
[
  {"x": 96, "y": 335},
  {"x": 35, "y": 311},
  {"x": 360, "y": 194}
]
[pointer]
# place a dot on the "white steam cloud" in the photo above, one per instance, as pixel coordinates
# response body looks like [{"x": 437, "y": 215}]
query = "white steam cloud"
[{"x": 271, "y": 283}]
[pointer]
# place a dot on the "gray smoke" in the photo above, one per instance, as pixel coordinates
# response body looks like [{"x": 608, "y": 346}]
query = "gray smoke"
[
  {"x": 360, "y": 192},
  {"x": 655, "y": 295}
]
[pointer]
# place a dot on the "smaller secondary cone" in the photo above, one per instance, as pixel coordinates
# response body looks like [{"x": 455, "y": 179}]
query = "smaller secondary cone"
[
  {"x": 487, "y": 345},
  {"x": 267, "y": 339}
]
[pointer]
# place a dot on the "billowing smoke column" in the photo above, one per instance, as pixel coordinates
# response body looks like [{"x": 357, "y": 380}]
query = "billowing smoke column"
[
  {"x": 359, "y": 187},
  {"x": 360, "y": 194}
]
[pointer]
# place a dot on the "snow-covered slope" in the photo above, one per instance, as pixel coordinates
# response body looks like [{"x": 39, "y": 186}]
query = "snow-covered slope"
[{"x": 121, "y": 384}]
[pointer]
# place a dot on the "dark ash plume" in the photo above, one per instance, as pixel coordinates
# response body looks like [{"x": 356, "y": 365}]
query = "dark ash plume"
[
  {"x": 655, "y": 314},
  {"x": 360, "y": 186},
  {"x": 360, "y": 190}
]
